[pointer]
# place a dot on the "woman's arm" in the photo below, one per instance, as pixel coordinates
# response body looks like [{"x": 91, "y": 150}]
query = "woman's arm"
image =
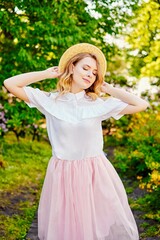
[
  {"x": 15, "y": 84},
  {"x": 136, "y": 104}
]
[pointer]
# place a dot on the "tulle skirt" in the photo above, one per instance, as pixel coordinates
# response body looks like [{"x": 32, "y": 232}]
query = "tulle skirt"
[{"x": 84, "y": 200}]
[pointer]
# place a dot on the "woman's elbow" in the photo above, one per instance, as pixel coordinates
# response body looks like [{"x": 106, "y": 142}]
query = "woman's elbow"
[{"x": 6, "y": 83}]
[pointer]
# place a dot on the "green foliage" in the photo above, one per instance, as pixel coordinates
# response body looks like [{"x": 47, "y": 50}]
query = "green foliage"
[
  {"x": 149, "y": 205},
  {"x": 135, "y": 140},
  {"x": 36, "y": 33},
  {"x": 21, "y": 183},
  {"x": 16, "y": 226},
  {"x": 141, "y": 137},
  {"x": 18, "y": 118},
  {"x": 138, "y": 153},
  {"x": 144, "y": 37}
]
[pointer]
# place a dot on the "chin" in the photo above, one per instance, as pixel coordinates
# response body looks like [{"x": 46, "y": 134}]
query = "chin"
[{"x": 85, "y": 88}]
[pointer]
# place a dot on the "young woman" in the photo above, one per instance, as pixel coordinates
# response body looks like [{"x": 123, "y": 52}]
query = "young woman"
[{"x": 82, "y": 198}]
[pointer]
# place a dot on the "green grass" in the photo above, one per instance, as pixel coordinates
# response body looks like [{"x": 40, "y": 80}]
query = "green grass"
[{"x": 25, "y": 164}]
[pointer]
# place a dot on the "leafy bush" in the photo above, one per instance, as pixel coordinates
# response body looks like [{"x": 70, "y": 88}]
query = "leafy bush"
[
  {"x": 15, "y": 116},
  {"x": 137, "y": 154},
  {"x": 3, "y": 121}
]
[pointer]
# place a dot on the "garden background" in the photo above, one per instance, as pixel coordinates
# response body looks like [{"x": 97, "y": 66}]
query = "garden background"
[{"x": 33, "y": 36}]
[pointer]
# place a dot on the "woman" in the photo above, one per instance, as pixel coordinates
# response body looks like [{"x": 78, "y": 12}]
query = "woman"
[{"x": 82, "y": 198}]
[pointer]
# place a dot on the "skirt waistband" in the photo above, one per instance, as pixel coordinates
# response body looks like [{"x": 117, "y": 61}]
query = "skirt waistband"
[{"x": 83, "y": 159}]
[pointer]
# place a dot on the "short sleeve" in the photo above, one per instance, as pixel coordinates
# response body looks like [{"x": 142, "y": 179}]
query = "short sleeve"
[
  {"x": 37, "y": 98},
  {"x": 115, "y": 107}
]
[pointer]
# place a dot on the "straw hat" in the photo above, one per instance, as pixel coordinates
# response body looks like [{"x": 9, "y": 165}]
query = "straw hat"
[{"x": 83, "y": 48}]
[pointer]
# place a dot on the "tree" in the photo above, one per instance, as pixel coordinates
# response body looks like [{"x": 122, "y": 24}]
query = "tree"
[
  {"x": 35, "y": 33},
  {"x": 144, "y": 40}
]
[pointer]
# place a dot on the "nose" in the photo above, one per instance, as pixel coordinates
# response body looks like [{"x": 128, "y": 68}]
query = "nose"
[{"x": 89, "y": 73}]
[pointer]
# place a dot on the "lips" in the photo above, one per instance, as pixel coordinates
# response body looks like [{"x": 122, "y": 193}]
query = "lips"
[{"x": 86, "y": 80}]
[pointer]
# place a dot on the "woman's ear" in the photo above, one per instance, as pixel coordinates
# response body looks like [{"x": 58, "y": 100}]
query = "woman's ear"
[{"x": 71, "y": 68}]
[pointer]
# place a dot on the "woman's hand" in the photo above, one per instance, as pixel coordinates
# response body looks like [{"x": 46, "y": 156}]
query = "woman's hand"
[
  {"x": 135, "y": 103},
  {"x": 15, "y": 84},
  {"x": 105, "y": 87},
  {"x": 52, "y": 72}
]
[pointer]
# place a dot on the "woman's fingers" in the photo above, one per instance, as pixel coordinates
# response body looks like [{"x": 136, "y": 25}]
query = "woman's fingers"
[{"x": 53, "y": 72}]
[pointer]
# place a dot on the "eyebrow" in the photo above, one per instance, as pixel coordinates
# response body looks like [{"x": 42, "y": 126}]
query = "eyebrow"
[{"x": 90, "y": 67}]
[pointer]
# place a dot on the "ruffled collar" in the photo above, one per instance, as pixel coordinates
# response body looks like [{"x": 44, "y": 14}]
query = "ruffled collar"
[{"x": 72, "y": 96}]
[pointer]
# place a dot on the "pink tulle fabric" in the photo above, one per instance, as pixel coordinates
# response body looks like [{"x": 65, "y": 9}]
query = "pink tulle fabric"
[{"x": 84, "y": 200}]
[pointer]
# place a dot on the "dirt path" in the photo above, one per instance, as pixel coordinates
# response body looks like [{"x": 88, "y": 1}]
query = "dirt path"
[{"x": 33, "y": 232}]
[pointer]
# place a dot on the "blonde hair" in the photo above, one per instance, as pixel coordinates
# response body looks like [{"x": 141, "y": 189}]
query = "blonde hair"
[{"x": 65, "y": 80}]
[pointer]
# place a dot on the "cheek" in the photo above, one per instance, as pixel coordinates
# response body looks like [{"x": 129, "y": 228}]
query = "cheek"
[
  {"x": 75, "y": 71},
  {"x": 78, "y": 72},
  {"x": 94, "y": 79}
]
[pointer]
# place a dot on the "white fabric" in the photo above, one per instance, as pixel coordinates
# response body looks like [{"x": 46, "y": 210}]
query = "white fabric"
[{"x": 74, "y": 121}]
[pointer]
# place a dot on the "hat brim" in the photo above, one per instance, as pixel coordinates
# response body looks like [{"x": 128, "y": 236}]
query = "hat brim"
[{"x": 83, "y": 48}]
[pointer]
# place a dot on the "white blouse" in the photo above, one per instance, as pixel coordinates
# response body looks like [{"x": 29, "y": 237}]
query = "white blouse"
[{"x": 74, "y": 121}]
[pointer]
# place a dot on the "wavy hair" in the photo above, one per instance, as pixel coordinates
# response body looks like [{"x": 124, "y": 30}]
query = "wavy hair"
[{"x": 65, "y": 80}]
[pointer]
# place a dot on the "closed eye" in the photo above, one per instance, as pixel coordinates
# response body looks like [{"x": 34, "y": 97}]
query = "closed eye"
[{"x": 87, "y": 68}]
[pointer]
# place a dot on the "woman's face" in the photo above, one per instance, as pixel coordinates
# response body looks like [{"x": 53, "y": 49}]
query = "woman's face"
[{"x": 84, "y": 74}]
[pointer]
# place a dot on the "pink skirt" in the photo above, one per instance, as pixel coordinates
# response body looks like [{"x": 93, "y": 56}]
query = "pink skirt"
[{"x": 84, "y": 200}]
